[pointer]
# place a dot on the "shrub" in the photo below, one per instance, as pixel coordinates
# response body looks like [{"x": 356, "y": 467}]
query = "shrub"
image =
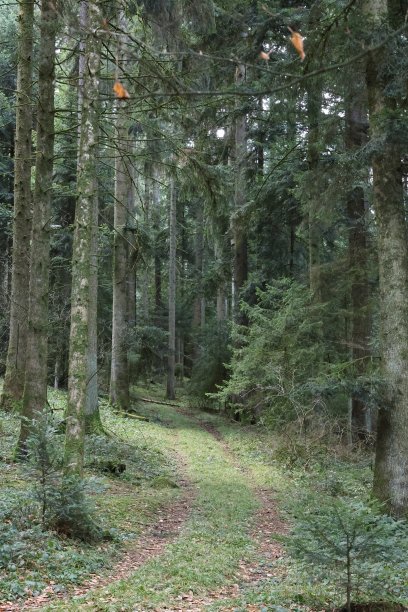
[{"x": 353, "y": 545}]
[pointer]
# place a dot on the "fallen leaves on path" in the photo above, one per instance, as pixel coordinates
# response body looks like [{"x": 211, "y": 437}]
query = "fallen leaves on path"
[{"x": 150, "y": 544}]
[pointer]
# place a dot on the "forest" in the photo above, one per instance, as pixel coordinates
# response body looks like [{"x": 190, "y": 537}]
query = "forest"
[{"x": 204, "y": 305}]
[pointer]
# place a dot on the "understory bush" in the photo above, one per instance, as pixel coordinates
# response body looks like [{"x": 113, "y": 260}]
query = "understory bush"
[
  {"x": 353, "y": 546},
  {"x": 62, "y": 501},
  {"x": 284, "y": 368}
]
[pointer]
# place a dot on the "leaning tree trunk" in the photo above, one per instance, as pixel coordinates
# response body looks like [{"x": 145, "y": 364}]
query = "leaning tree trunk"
[
  {"x": 35, "y": 388},
  {"x": 355, "y": 136},
  {"x": 119, "y": 382},
  {"x": 83, "y": 303},
  {"x": 171, "y": 360},
  {"x": 391, "y": 461},
  {"x": 16, "y": 355}
]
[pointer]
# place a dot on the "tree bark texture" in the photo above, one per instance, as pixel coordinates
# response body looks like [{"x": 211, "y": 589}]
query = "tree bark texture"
[
  {"x": 119, "y": 383},
  {"x": 314, "y": 104},
  {"x": 391, "y": 461},
  {"x": 171, "y": 360},
  {"x": 82, "y": 354},
  {"x": 239, "y": 233},
  {"x": 16, "y": 355},
  {"x": 355, "y": 136},
  {"x": 35, "y": 388}
]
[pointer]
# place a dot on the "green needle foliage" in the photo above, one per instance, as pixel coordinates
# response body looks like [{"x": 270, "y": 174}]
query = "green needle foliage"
[
  {"x": 352, "y": 545},
  {"x": 62, "y": 501}
]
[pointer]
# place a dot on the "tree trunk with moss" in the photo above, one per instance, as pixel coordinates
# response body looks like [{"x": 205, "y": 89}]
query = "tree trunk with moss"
[
  {"x": 391, "y": 461},
  {"x": 35, "y": 388},
  {"x": 16, "y": 355},
  {"x": 83, "y": 303},
  {"x": 119, "y": 382}
]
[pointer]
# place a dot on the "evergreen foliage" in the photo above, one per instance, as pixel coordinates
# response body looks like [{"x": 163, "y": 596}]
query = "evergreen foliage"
[
  {"x": 353, "y": 545},
  {"x": 63, "y": 503}
]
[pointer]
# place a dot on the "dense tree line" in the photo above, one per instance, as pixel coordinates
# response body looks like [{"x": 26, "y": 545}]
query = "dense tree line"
[{"x": 211, "y": 195}]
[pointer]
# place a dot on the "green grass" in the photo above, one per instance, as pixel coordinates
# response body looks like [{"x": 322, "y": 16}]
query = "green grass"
[
  {"x": 30, "y": 557},
  {"x": 207, "y": 553}
]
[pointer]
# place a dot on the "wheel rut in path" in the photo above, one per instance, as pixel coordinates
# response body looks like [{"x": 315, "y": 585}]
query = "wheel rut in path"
[
  {"x": 148, "y": 545},
  {"x": 267, "y": 524}
]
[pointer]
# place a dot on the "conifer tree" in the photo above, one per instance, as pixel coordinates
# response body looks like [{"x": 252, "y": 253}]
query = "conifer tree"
[
  {"x": 83, "y": 303},
  {"x": 16, "y": 355},
  {"x": 35, "y": 387}
]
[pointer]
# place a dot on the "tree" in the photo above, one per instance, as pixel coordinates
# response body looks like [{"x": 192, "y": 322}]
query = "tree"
[
  {"x": 35, "y": 387},
  {"x": 83, "y": 302},
  {"x": 391, "y": 461},
  {"x": 119, "y": 381},
  {"x": 16, "y": 354},
  {"x": 355, "y": 136},
  {"x": 171, "y": 359}
]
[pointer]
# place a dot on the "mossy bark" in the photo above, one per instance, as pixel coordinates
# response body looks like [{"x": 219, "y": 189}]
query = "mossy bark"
[
  {"x": 119, "y": 381},
  {"x": 391, "y": 461},
  {"x": 16, "y": 355},
  {"x": 81, "y": 360},
  {"x": 35, "y": 388}
]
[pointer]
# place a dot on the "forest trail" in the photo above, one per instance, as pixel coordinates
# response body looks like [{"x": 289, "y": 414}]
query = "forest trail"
[{"x": 218, "y": 535}]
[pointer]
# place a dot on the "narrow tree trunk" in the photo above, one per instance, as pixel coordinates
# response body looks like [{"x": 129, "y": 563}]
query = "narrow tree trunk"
[
  {"x": 355, "y": 136},
  {"x": 198, "y": 275},
  {"x": 158, "y": 301},
  {"x": 314, "y": 95},
  {"x": 239, "y": 234},
  {"x": 171, "y": 362},
  {"x": 391, "y": 461},
  {"x": 16, "y": 354},
  {"x": 93, "y": 422},
  {"x": 82, "y": 366},
  {"x": 146, "y": 273},
  {"x": 119, "y": 383},
  {"x": 35, "y": 388}
]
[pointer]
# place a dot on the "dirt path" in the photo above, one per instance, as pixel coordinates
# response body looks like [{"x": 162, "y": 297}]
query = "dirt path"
[
  {"x": 268, "y": 524},
  {"x": 166, "y": 529},
  {"x": 149, "y": 544}
]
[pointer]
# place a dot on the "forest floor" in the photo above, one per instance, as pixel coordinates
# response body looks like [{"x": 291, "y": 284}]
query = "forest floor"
[{"x": 201, "y": 516}]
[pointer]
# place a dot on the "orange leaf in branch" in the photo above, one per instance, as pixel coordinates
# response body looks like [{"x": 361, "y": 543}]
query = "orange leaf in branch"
[
  {"x": 297, "y": 42},
  {"x": 120, "y": 92},
  {"x": 265, "y": 56}
]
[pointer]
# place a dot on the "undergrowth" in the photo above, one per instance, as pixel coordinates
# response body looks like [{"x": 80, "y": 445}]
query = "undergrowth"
[
  {"x": 341, "y": 547},
  {"x": 32, "y": 553}
]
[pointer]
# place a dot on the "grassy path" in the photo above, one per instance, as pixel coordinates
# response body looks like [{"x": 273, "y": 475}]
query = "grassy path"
[{"x": 217, "y": 536}]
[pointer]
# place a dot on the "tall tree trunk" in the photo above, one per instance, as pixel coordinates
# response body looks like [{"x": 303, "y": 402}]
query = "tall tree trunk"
[
  {"x": 314, "y": 103},
  {"x": 146, "y": 273},
  {"x": 171, "y": 361},
  {"x": 158, "y": 301},
  {"x": 355, "y": 137},
  {"x": 35, "y": 388},
  {"x": 391, "y": 461},
  {"x": 82, "y": 354},
  {"x": 239, "y": 234},
  {"x": 119, "y": 382},
  {"x": 16, "y": 354},
  {"x": 198, "y": 274}
]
